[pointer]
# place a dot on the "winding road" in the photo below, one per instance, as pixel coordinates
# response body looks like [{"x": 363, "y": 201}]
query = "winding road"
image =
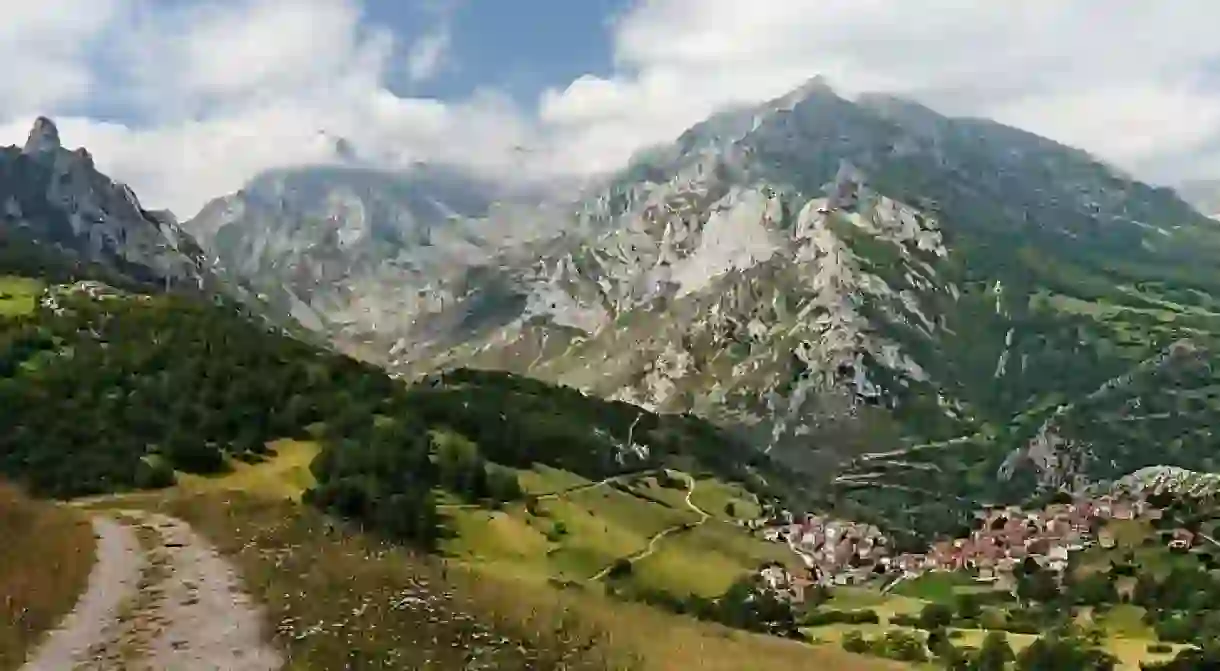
[
  {"x": 159, "y": 597},
  {"x": 656, "y": 538}
]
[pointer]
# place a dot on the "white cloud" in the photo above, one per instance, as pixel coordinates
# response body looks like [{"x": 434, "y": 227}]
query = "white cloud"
[
  {"x": 221, "y": 90},
  {"x": 428, "y": 54},
  {"x": 1119, "y": 78},
  {"x": 228, "y": 89},
  {"x": 233, "y": 53},
  {"x": 44, "y": 46}
]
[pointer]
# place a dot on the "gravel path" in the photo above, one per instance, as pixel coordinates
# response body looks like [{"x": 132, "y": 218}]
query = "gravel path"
[
  {"x": 116, "y": 572},
  {"x": 159, "y": 599}
]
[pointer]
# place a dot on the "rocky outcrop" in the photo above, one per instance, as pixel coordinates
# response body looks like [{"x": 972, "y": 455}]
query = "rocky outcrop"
[
  {"x": 376, "y": 260},
  {"x": 58, "y": 198},
  {"x": 830, "y": 277}
]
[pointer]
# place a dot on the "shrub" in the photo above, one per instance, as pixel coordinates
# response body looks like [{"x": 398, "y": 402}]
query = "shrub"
[
  {"x": 935, "y": 615},
  {"x": 154, "y": 475},
  {"x": 904, "y": 620},
  {"x": 557, "y": 531},
  {"x": 621, "y": 568},
  {"x": 854, "y": 641},
  {"x": 828, "y": 617}
]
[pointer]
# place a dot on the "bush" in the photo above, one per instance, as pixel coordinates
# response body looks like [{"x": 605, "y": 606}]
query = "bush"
[
  {"x": 905, "y": 620},
  {"x": 502, "y": 484},
  {"x": 557, "y": 531},
  {"x": 193, "y": 456},
  {"x": 969, "y": 607},
  {"x": 935, "y": 616},
  {"x": 1160, "y": 648},
  {"x": 154, "y": 475},
  {"x": 828, "y": 617},
  {"x": 853, "y": 641},
  {"x": 621, "y": 568}
]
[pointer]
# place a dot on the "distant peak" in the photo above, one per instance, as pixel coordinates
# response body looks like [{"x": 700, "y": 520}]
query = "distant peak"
[
  {"x": 816, "y": 85},
  {"x": 44, "y": 137}
]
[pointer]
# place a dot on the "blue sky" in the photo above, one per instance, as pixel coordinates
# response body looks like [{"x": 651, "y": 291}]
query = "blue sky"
[
  {"x": 520, "y": 47},
  {"x": 186, "y": 100}
]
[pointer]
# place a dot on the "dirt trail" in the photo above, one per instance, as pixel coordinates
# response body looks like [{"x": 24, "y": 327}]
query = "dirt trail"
[
  {"x": 656, "y": 538},
  {"x": 159, "y": 598},
  {"x": 115, "y": 574}
]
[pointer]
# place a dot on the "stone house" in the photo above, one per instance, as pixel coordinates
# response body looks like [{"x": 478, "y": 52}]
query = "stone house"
[
  {"x": 1181, "y": 540},
  {"x": 775, "y": 576},
  {"x": 1057, "y": 558}
]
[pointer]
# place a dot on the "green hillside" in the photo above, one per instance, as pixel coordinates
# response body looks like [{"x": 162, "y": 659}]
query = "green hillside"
[{"x": 158, "y": 383}]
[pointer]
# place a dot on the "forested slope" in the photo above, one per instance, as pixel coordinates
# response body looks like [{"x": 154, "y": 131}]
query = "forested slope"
[{"x": 104, "y": 389}]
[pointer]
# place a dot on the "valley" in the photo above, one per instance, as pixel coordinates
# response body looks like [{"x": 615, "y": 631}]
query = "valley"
[
  {"x": 826, "y": 278},
  {"x": 333, "y": 594},
  {"x": 349, "y": 417}
]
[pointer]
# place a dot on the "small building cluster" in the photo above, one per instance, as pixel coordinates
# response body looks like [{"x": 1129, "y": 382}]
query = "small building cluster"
[
  {"x": 785, "y": 584},
  {"x": 837, "y": 552}
]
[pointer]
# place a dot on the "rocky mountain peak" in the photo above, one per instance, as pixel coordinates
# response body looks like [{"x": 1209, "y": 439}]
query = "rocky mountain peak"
[
  {"x": 859, "y": 286},
  {"x": 814, "y": 86},
  {"x": 43, "y": 138},
  {"x": 57, "y": 198}
]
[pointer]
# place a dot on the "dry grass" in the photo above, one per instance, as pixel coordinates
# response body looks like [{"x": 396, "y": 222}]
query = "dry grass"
[
  {"x": 664, "y": 642},
  {"x": 46, "y": 554},
  {"x": 285, "y": 475},
  {"x": 342, "y": 598},
  {"x": 337, "y": 598}
]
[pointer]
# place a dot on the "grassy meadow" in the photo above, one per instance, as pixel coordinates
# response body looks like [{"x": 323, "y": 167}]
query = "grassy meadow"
[{"x": 336, "y": 596}]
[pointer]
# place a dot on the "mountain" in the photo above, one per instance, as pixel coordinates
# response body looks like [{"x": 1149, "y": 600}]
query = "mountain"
[
  {"x": 921, "y": 312},
  {"x": 55, "y": 197},
  {"x": 155, "y": 381},
  {"x": 1204, "y": 194},
  {"x": 364, "y": 255},
  {"x": 110, "y": 383},
  {"x": 835, "y": 275}
]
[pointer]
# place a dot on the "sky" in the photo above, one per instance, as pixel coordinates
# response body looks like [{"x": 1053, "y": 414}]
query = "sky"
[{"x": 186, "y": 100}]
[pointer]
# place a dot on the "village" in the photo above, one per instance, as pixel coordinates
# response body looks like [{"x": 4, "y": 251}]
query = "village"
[{"x": 841, "y": 553}]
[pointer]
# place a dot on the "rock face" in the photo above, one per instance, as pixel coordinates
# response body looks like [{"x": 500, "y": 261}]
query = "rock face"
[
  {"x": 58, "y": 198},
  {"x": 364, "y": 255},
  {"x": 921, "y": 311}
]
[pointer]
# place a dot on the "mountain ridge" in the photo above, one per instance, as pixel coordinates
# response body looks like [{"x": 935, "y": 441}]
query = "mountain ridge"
[{"x": 830, "y": 278}]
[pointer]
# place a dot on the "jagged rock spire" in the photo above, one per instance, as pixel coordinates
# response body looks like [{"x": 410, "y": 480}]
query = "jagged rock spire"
[{"x": 44, "y": 137}]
